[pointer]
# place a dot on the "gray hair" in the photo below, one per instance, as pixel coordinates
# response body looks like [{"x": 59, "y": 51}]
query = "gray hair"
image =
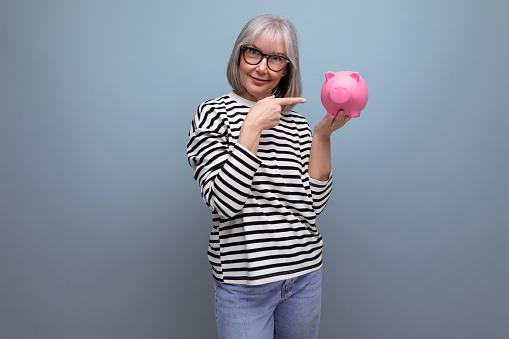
[{"x": 274, "y": 29}]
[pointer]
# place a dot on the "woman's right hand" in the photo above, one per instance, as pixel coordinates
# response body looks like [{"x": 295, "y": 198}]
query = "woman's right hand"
[{"x": 265, "y": 114}]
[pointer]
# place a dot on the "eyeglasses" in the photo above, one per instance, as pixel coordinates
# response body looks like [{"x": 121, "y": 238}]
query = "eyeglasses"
[{"x": 253, "y": 56}]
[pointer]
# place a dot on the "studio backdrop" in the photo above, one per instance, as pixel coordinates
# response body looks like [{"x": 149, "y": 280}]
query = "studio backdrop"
[{"x": 103, "y": 232}]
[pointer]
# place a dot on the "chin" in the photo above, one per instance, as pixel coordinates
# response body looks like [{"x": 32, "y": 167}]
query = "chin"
[{"x": 259, "y": 94}]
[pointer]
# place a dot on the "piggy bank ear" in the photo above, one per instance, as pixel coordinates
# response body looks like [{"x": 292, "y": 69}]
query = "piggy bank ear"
[
  {"x": 355, "y": 75},
  {"x": 329, "y": 75}
]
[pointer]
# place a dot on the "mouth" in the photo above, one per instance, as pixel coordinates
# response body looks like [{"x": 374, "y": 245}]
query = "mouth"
[{"x": 258, "y": 80}]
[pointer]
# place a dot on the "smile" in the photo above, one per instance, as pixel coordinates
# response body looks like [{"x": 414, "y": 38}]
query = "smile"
[{"x": 258, "y": 80}]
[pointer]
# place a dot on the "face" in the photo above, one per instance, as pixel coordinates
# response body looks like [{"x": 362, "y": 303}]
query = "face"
[{"x": 259, "y": 80}]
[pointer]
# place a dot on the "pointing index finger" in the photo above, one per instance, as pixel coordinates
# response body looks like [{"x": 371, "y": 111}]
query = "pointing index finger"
[{"x": 290, "y": 101}]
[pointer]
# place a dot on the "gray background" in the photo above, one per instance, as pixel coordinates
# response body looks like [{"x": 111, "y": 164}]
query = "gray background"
[{"x": 103, "y": 230}]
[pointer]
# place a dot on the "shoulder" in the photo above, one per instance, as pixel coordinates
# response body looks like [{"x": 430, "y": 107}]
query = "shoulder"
[
  {"x": 226, "y": 103},
  {"x": 295, "y": 117},
  {"x": 213, "y": 103},
  {"x": 211, "y": 107},
  {"x": 215, "y": 113}
]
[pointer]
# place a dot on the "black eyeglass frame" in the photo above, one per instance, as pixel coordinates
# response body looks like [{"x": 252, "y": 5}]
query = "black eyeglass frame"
[{"x": 244, "y": 48}]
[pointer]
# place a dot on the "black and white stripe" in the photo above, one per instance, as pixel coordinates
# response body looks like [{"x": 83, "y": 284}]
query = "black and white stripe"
[{"x": 263, "y": 207}]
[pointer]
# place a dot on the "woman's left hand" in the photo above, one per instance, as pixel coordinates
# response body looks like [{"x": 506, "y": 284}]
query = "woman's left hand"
[{"x": 329, "y": 124}]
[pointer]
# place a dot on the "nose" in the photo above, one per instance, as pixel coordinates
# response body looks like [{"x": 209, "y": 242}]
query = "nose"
[{"x": 262, "y": 66}]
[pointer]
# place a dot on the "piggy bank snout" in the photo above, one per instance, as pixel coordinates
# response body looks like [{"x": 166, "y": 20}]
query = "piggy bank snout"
[{"x": 339, "y": 94}]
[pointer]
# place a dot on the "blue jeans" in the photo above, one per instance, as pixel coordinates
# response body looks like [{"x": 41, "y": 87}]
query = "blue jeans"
[{"x": 288, "y": 309}]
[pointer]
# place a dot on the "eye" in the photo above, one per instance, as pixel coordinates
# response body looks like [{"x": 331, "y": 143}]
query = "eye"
[
  {"x": 253, "y": 52},
  {"x": 277, "y": 58}
]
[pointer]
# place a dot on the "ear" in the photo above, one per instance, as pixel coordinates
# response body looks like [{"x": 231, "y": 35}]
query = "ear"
[
  {"x": 355, "y": 75},
  {"x": 329, "y": 75}
]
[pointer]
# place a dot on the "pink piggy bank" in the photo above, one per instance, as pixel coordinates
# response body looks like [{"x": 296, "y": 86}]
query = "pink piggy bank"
[{"x": 345, "y": 91}]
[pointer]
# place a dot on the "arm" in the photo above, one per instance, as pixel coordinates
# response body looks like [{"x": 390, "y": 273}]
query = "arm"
[
  {"x": 265, "y": 114},
  {"x": 224, "y": 177},
  {"x": 320, "y": 158}
]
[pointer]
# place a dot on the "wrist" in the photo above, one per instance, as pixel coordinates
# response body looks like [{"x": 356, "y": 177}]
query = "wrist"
[
  {"x": 250, "y": 129},
  {"x": 321, "y": 136},
  {"x": 249, "y": 138}
]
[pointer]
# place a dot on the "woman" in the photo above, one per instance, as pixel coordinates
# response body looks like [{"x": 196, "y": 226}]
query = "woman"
[{"x": 266, "y": 178}]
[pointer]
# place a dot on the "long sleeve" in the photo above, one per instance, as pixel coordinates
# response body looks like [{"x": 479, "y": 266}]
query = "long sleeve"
[
  {"x": 320, "y": 190},
  {"x": 224, "y": 176}
]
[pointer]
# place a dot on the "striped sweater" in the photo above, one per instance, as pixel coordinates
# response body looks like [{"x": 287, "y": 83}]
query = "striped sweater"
[{"x": 264, "y": 206}]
